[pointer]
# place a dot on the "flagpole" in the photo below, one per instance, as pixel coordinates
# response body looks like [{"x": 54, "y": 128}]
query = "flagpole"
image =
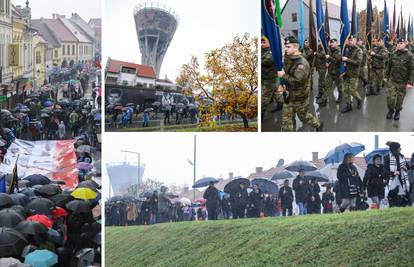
[{"x": 195, "y": 164}]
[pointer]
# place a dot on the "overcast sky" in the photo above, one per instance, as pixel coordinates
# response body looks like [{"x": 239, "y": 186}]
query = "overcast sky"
[
  {"x": 204, "y": 25},
  {"x": 165, "y": 154},
  {"x": 45, "y": 8}
]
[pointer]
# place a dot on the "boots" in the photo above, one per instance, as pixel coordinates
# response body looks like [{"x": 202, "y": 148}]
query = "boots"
[
  {"x": 319, "y": 95},
  {"x": 320, "y": 128},
  {"x": 389, "y": 114},
  {"x": 322, "y": 103},
  {"x": 347, "y": 108},
  {"x": 339, "y": 100},
  {"x": 397, "y": 115},
  {"x": 359, "y": 104}
]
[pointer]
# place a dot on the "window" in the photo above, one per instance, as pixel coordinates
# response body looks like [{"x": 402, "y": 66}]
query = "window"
[
  {"x": 56, "y": 53},
  {"x": 2, "y": 6},
  {"x": 294, "y": 17},
  {"x": 295, "y": 33},
  {"x": 80, "y": 50},
  {"x": 63, "y": 50},
  {"x": 38, "y": 58},
  {"x": 73, "y": 49},
  {"x": 68, "y": 49},
  {"x": 8, "y": 7}
]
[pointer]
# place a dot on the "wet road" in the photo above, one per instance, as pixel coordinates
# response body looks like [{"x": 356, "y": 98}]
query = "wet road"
[{"x": 370, "y": 118}]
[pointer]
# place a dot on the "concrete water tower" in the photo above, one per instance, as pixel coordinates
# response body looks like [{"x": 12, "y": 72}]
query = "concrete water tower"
[{"x": 156, "y": 25}]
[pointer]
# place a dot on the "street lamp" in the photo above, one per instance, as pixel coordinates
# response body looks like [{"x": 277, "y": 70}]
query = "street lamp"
[{"x": 139, "y": 165}]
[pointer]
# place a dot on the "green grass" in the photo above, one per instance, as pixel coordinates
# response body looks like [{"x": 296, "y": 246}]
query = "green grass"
[{"x": 370, "y": 238}]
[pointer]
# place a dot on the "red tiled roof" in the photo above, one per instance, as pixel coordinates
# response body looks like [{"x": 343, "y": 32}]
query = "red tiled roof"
[{"x": 114, "y": 66}]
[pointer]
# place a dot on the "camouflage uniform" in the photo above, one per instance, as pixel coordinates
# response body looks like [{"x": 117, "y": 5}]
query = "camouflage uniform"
[
  {"x": 363, "y": 73},
  {"x": 400, "y": 72},
  {"x": 353, "y": 67},
  {"x": 269, "y": 78},
  {"x": 378, "y": 66},
  {"x": 307, "y": 52},
  {"x": 297, "y": 79},
  {"x": 320, "y": 64},
  {"x": 335, "y": 59}
]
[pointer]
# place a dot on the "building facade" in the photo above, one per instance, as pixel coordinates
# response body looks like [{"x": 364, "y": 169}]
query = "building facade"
[
  {"x": 6, "y": 35},
  {"x": 40, "y": 49}
]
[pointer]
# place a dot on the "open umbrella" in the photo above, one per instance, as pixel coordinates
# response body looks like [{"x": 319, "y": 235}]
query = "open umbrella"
[
  {"x": 10, "y": 262},
  {"x": 20, "y": 199},
  {"x": 185, "y": 201},
  {"x": 49, "y": 190},
  {"x": 41, "y": 258},
  {"x": 204, "y": 182},
  {"x": 41, "y": 206},
  {"x": 156, "y": 104},
  {"x": 78, "y": 206},
  {"x": 89, "y": 184},
  {"x": 11, "y": 242},
  {"x": 59, "y": 212},
  {"x": 62, "y": 199},
  {"x": 283, "y": 175},
  {"x": 379, "y": 151},
  {"x": 148, "y": 110},
  {"x": 201, "y": 201},
  {"x": 9, "y": 218},
  {"x": 37, "y": 179},
  {"x": 265, "y": 185},
  {"x": 84, "y": 166},
  {"x": 318, "y": 175},
  {"x": 337, "y": 154},
  {"x": 48, "y": 103},
  {"x": 20, "y": 210},
  {"x": 5, "y": 201},
  {"x": 84, "y": 193},
  {"x": 145, "y": 194},
  {"x": 296, "y": 166},
  {"x": 234, "y": 185},
  {"x": 85, "y": 149},
  {"x": 171, "y": 195},
  {"x": 31, "y": 228},
  {"x": 43, "y": 219},
  {"x": 54, "y": 236}
]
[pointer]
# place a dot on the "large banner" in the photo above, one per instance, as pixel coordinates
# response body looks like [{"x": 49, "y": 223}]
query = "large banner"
[{"x": 54, "y": 159}]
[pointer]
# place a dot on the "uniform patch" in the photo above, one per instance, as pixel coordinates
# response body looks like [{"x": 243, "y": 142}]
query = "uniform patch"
[{"x": 301, "y": 66}]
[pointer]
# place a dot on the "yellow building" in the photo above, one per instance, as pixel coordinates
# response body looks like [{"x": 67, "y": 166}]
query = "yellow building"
[{"x": 39, "y": 54}]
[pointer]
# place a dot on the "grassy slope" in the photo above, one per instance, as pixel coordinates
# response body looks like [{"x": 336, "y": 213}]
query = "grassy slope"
[{"x": 371, "y": 238}]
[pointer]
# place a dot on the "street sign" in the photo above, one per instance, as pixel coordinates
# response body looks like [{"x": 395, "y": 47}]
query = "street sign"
[{"x": 3, "y": 98}]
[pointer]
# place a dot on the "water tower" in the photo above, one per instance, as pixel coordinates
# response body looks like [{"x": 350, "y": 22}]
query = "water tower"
[{"x": 156, "y": 25}]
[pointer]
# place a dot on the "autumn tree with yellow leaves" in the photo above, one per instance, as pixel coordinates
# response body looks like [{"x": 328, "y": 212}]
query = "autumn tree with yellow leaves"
[{"x": 228, "y": 83}]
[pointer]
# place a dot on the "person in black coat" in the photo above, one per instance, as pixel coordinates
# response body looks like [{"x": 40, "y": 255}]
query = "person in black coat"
[
  {"x": 328, "y": 200},
  {"x": 301, "y": 187},
  {"x": 213, "y": 200},
  {"x": 411, "y": 178},
  {"x": 374, "y": 181},
  {"x": 255, "y": 202},
  {"x": 154, "y": 207},
  {"x": 226, "y": 207},
  {"x": 146, "y": 211},
  {"x": 350, "y": 184},
  {"x": 240, "y": 200},
  {"x": 286, "y": 198},
  {"x": 314, "y": 200}
]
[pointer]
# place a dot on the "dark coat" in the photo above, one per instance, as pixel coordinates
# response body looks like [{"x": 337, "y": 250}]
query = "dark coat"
[
  {"x": 374, "y": 181},
  {"x": 240, "y": 198},
  {"x": 327, "y": 200},
  {"x": 286, "y": 196},
  {"x": 315, "y": 205},
  {"x": 301, "y": 187},
  {"x": 212, "y": 196},
  {"x": 256, "y": 199},
  {"x": 349, "y": 185}
]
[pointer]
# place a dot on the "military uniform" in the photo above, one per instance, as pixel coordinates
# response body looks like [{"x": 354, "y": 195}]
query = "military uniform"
[
  {"x": 400, "y": 72},
  {"x": 335, "y": 59},
  {"x": 269, "y": 79},
  {"x": 297, "y": 79},
  {"x": 363, "y": 73},
  {"x": 322, "y": 69},
  {"x": 308, "y": 53},
  {"x": 378, "y": 67},
  {"x": 351, "y": 79}
]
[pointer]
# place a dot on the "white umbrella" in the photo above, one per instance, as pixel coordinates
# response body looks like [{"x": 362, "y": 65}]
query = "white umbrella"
[{"x": 185, "y": 201}]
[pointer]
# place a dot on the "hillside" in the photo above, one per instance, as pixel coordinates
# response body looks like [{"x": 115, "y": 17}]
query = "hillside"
[{"x": 370, "y": 238}]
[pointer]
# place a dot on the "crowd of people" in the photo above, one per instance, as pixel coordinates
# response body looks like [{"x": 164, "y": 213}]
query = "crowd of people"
[
  {"x": 375, "y": 68},
  {"x": 44, "y": 221}
]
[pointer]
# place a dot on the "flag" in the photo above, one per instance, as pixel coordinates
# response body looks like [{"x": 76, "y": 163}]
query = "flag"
[
  {"x": 313, "y": 43},
  {"x": 398, "y": 31},
  {"x": 344, "y": 29},
  {"x": 385, "y": 24},
  {"x": 394, "y": 18},
  {"x": 278, "y": 14},
  {"x": 301, "y": 25},
  {"x": 271, "y": 32},
  {"x": 327, "y": 30},
  {"x": 354, "y": 19},
  {"x": 357, "y": 24},
  {"x": 14, "y": 181},
  {"x": 370, "y": 20},
  {"x": 3, "y": 183},
  {"x": 320, "y": 22}
]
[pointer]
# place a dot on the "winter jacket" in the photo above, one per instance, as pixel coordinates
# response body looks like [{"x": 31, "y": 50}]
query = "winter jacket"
[{"x": 374, "y": 181}]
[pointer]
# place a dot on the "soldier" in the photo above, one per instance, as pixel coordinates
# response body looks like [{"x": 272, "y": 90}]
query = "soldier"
[
  {"x": 411, "y": 46},
  {"x": 363, "y": 74},
  {"x": 334, "y": 60},
  {"x": 307, "y": 52},
  {"x": 400, "y": 78},
  {"x": 298, "y": 83},
  {"x": 269, "y": 77},
  {"x": 379, "y": 55},
  {"x": 322, "y": 69},
  {"x": 353, "y": 65}
]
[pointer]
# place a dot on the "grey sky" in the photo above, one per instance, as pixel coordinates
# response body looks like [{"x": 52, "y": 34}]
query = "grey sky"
[
  {"x": 204, "y": 25},
  {"x": 45, "y": 8},
  {"x": 165, "y": 154}
]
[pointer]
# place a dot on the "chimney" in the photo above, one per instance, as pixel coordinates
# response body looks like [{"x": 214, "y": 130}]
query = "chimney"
[
  {"x": 315, "y": 156},
  {"x": 231, "y": 175},
  {"x": 259, "y": 169}
]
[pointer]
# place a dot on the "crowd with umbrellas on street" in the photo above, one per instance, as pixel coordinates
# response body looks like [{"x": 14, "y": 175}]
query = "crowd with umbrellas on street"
[{"x": 300, "y": 189}]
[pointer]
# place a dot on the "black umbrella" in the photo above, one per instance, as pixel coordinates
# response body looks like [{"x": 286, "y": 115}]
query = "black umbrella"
[
  {"x": 20, "y": 199},
  {"x": 115, "y": 199},
  {"x": 54, "y": 236},
  {"x": 146, "y": 194},
  {"x": 61, "y": 200},
  {"x": 9, "y": 218},
  {"x": 171, "y": 195},
  {"x": 41, "y": 206},
  {"x": 20, "y": 210},
  {"x": 11, "y": 242},
  {"x": 319, "y": 176},
  {"x": 204, "y": 182},
  {"x": 31, "y": 228},
  {"x": 49, "y": 190},
  {"x": 30, "y": 192},
  {"x": 78, "y": 206},
  {"x": 234, "y": 185},
  {"x": 331, "y": 184},
  {"x": 283, "y": 175},
  {"x": 37, "y": 179},
  {"x": 5, "y": 201},
  {"x": 265, "y": 185},
  {"x": 89, "y": 184},
  {"x": 296, "y": 166}
]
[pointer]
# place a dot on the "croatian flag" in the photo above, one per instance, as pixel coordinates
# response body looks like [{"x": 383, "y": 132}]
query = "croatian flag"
[{"x": 53, "y": 159}]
